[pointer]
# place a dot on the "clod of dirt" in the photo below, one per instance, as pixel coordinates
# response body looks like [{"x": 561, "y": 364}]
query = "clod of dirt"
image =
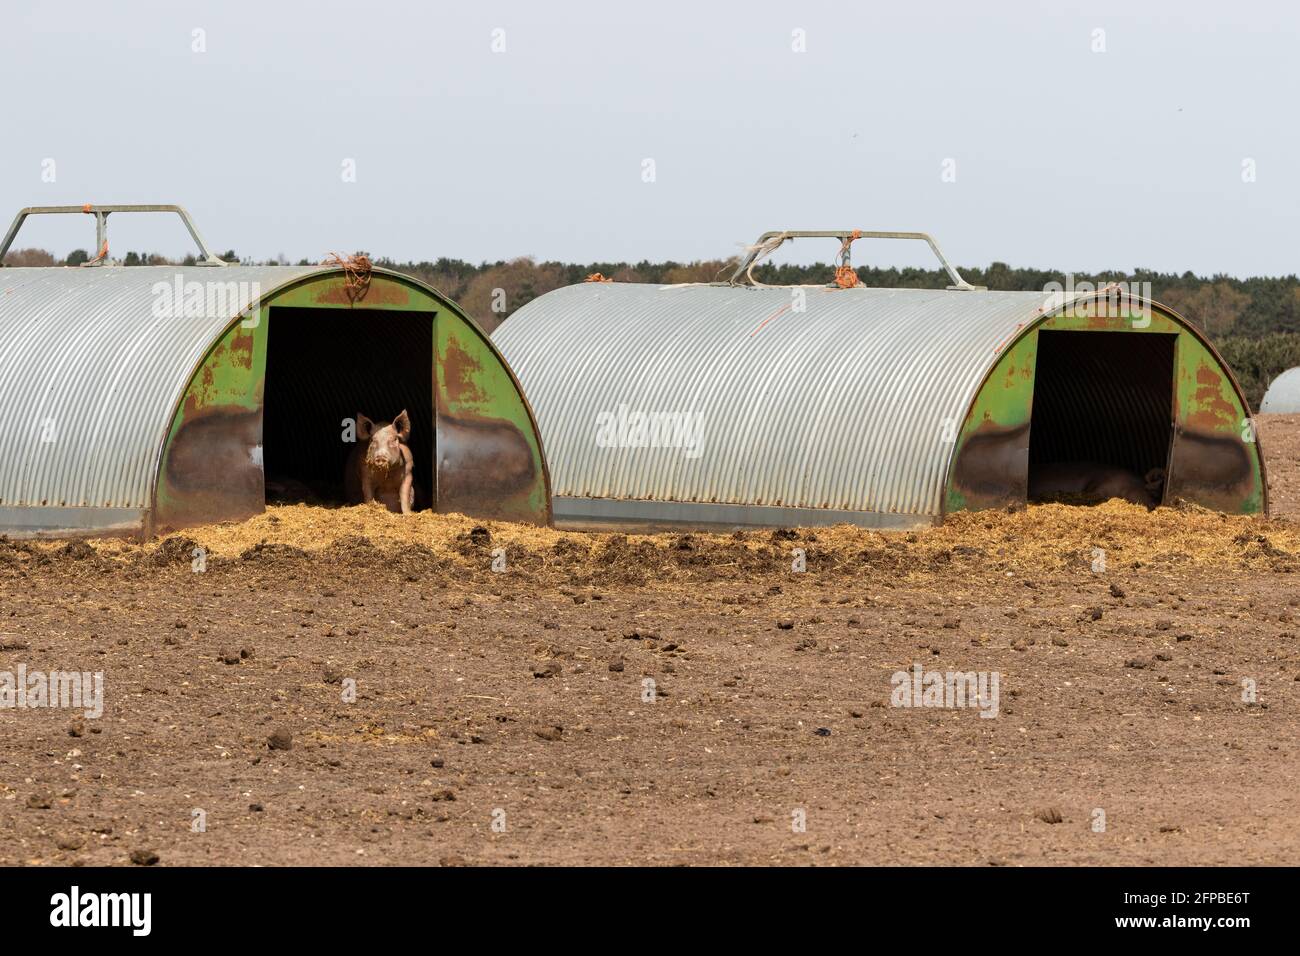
[
  {"x": 262, "y": 551},
  {"x": 176, "y": 549},
  {"x": 38, "y": 802},
  {"x": 76, "y": 729},
  {"x": 822, "y": 731},
  {"x": 1163, "y": 624},
  {"x": 1049, "y": 815},
  {"x": 1092, "y": 614},
  {"x": 616, "y": 665},
  {"x": 1183, "y": 637},
  {"x": 549, "y": 669},
  {"x": 1117, "y": 592},
  {"x": 69, "y": 841},
  {"x": 78, "y": 551},
  {"x": 9, "y": 550},
  {"x": 1138, "y": 663},
  {"x": 227, "y": 657},
  {"x": 280, "y": 740},
  {"x": 785, "y": 625},
  {"x": 549, "y": 733},
  {"x": 444, "y": 795},
  {"x": 143, "y": 857},
  {"x": 255, "y": 808},
  {"x": 436, "y": 762},
  {"x": 1060, "y": 641}
]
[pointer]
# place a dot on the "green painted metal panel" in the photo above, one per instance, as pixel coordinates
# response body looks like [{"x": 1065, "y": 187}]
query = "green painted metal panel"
[{"x": 490, "y": 458}]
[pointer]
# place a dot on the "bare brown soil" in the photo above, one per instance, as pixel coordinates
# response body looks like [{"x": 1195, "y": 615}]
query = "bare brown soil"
[{"x": 519, "y": 697}]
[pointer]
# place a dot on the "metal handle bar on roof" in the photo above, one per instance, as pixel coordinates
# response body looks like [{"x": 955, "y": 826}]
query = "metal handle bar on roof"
[
  {"x": 101, "y": 214},
  {"x": 769, "y": 242}
]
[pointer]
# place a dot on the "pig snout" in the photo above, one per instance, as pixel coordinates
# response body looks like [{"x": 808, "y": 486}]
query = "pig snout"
[{"x": 377, "y": 454}]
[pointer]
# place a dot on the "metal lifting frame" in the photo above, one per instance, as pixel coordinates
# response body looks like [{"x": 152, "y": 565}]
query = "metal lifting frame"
[
  {"x": 769, "y": 242},
  {"x": 101, "y": 214}
]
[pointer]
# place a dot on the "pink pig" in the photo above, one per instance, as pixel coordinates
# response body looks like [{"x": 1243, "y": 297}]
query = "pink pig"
[{"x": 380, "y": 466}]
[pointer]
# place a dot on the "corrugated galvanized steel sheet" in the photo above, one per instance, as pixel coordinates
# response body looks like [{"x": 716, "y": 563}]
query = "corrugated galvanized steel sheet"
[
  {"x": 92, "y": 364},
  {"x": 847, "y": 406},
  {"x": 1283, "y": 395}
]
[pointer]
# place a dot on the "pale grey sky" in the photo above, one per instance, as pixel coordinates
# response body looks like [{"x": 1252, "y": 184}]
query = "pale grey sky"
[{"x": 1063, "y": 157}]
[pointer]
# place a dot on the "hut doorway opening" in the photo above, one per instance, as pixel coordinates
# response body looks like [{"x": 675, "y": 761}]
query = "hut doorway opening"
[
  {"x": 1102, "y": 420},
  {"x": 327, "y": 365}
]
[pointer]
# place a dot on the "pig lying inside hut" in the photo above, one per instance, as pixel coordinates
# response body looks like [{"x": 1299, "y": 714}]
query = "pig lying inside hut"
[
  {"x": 1092, "y": 482},
  {"x": 380, "y": 467}
]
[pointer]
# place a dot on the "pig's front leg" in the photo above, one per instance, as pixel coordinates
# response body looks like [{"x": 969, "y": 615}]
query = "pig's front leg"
[
  {"x": 367, "y": 487},
  {"x": 406, "y": 494}
]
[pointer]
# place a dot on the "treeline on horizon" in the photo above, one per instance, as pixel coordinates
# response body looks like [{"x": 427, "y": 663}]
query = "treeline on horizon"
[{"x": 1255, "y": 323}]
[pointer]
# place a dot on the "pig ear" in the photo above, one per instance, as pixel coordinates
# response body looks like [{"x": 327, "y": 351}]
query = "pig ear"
[
  {"x": 402, "y": 425},
  {"x": 365, "y": 427}
]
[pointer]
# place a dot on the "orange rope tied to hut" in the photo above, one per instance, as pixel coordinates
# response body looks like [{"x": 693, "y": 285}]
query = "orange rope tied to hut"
[
  {"x": 846, "y": 277},
  {"x": 596, "y": 277},
  {"x": 356, "y": 273}
]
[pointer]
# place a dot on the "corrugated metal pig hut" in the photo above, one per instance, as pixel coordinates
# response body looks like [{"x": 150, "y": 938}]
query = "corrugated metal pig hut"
[
  {"x": 733, "y": 404},
  {"x": 1283, "y": 395},
  {"x": 150, "y": 398}
]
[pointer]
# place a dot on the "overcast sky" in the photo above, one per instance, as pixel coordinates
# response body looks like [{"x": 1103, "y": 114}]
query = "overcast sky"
[{"x": 1075, "y": 136}]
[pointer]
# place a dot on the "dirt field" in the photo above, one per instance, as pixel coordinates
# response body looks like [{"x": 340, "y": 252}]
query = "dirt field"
[{"x": 505, "y": 717}]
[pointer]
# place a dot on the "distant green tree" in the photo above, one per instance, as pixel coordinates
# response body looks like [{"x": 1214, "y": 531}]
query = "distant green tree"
[
  {"x": 26, "y": 258},
  {"x": 1257, "y": 361}
]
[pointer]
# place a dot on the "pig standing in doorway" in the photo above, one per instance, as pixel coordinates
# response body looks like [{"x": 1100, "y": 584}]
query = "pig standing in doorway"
[{"x": 380, "y": 467}]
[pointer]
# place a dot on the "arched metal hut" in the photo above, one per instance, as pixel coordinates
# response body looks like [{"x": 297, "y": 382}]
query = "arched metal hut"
[
  {"x": 1283, "y": 395},
  {"x": 732, "y": 404},
  {"x": 149, "y": 398}
]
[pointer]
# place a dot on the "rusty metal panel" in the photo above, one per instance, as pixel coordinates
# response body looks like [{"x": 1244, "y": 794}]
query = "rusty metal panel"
[
  {"x": 1215, "y": 460},
  {"x": 489, "y": 455},
  {"x": 92, "y": 364},
  {"x": 844, "y": 400}
]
